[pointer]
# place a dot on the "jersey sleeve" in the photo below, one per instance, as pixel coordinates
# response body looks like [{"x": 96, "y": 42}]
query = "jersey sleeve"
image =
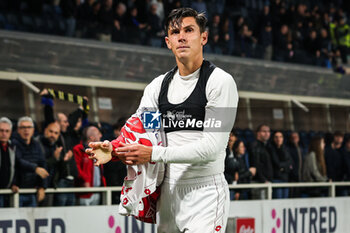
[
  {"x": 222, "y": 96},
  {"x": 149, "y": 100}
]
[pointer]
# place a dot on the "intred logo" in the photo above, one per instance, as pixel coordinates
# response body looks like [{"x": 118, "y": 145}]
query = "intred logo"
[{"x": 245, "y": 225}]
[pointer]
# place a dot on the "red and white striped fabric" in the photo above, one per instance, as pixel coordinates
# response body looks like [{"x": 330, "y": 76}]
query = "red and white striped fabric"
[{"x": 141, "y": 188}]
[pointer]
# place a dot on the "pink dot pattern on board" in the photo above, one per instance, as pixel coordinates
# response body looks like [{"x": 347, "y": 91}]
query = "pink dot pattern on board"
[
  {"x": 118, "y": 230},
  {"x": 273, "y": 230},
  {"x": 278, "y": 223},
  {"x": 273, "y": 213},
  {"x": 111, "y": 221}
]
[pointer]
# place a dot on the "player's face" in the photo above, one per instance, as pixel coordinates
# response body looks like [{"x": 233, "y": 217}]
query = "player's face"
[{"x": 186, "y": 41}]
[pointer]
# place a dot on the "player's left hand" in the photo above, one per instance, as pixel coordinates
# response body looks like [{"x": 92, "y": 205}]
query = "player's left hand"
[
  {"x": 100, "y": 152},
  {"x": 132, "y": 154}
]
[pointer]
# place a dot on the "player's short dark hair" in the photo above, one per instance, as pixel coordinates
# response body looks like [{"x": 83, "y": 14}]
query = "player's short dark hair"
[{"x": 175, "y": 18}]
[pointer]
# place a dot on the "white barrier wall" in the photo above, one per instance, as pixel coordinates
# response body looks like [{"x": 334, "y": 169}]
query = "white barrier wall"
[{"x": 322, "y": 215}]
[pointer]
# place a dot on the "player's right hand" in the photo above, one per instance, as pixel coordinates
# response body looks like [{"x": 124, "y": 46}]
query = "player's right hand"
[{"x": 105, "y": 146}]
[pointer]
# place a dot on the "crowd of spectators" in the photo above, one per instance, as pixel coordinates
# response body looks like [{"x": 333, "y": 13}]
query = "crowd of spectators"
[
  {"x": 281, "y": 156},
  {"x": 305, "y": 32},
  {"x": 56, "y": 158}
]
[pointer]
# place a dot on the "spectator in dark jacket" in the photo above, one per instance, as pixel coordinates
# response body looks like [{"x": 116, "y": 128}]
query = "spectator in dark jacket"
[
  {"x": 7, "y": 160},
  {"x": 247, "y": 41},
  {"x": 334, "y": 158},
  {"x": 66, "y": 170},
  {"x": 231, "y": 164},
  {"x": 297, "y": 152},
  {"x": 335, "y": 161},
  {"x": 69, "y": 8},
  {"x": 227, "y": 36},
  {"x": 135, "y": 27},
  {"x": 261, "y": 159},
  {"x": 214, "y": 34},
  {"x": 282, "y": 164},
  {"x": 105, "y": 21},
  {"x": 63, "y": 163},
  {"x": 31, "y": 163},
  {"x": 313, "y": 48},
  {"x": 265, "y": 18},
  {"x": 283, "y": 48},
  {"x": 265, "y": 41},
  {"x": 85, "y": 18},
  {"x": 50, "y": 149},
  {"x": 154, "y": 27},
  {"x": 48, "y": 144},
  {"x": 75, "y": 120},
  {"x": 325, "y": 47},
  {"x": 245, "y": 173},
  {"x": 346, "y": 155},
  {"x": 119, "y": 29}
]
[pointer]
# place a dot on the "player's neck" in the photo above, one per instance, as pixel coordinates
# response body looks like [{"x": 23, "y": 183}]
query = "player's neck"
[{"x": 188, "y": 67}]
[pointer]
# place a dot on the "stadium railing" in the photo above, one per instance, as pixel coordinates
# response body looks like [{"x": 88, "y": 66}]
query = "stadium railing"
[{"x": 107, "y": 191}]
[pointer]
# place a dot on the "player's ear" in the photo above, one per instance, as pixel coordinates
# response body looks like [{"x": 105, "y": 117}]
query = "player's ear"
[
  {"x": 204, "y": 38},
  {"x": 167, "y": 42}
]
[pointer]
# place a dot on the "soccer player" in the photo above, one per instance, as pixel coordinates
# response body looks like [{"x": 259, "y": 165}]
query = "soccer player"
[{"x": 194, "y": 195}]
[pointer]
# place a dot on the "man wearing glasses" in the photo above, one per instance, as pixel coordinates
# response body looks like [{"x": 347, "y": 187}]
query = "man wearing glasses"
[{"x": 31, "y": 163}]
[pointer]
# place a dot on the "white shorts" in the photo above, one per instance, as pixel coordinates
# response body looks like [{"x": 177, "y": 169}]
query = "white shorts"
[{"x": 198, "y": 205}]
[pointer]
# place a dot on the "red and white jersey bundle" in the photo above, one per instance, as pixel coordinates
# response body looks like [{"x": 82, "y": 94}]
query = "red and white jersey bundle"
[{"x": 141, "y": 187}]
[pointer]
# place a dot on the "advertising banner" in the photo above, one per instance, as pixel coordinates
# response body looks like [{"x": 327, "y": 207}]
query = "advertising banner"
[
  {"x": 93, "y": 219},
  {"x": 318, "y": 215},
  {"x": 315, "y": 215}
]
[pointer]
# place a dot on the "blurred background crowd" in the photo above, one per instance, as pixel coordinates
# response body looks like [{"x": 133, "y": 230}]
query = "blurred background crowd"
[
  {"x": 277, "y": 156},
  {"x": 52, "y": 155},
  {"x": 314, "y": 32}
]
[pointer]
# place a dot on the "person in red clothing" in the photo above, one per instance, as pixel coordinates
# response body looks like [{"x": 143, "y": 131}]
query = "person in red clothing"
[{"x": 88, "y": 174}]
